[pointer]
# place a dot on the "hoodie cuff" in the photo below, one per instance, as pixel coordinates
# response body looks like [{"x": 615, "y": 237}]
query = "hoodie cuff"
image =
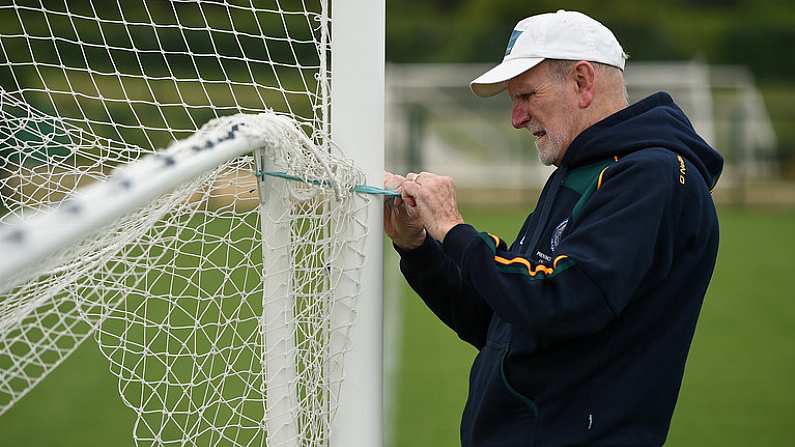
[
  {"x": 422, "y": 256},
  {"x": 458, "y": 240}
]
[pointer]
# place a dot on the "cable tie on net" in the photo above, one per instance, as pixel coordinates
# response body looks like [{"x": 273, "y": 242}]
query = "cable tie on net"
[{"x": 364, "y": 189}]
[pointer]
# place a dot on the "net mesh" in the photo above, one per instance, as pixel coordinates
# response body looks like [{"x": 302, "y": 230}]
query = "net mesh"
[{"x": 225, "y": 320}]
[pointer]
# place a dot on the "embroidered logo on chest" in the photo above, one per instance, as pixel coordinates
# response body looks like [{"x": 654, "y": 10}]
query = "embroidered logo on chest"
[{"x": 554, "y": 241}]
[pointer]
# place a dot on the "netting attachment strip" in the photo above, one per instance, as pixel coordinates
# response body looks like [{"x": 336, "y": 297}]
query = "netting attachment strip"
[
  {"x": 220, "y": 140},
  {"x": 363, "y": 189}
]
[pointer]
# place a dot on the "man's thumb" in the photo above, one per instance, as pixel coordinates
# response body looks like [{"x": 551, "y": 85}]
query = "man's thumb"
[{"x": 408, "y": 192}]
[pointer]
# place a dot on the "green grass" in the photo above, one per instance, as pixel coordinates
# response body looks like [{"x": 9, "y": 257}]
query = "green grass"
[
  {"x": 738, "y": 383},
  {"x": 737, "y": 389}
]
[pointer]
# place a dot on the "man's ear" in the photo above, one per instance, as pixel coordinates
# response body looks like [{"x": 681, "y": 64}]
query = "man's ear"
[{"x": 585, "y": 83}]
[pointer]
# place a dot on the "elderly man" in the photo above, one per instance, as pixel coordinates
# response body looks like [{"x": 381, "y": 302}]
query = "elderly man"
[{"x": 584, "y": 322}]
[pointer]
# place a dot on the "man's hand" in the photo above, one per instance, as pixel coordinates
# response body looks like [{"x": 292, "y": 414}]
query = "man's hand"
[
  {"x": 401, "y": 222},
  {"x": 435, "y": 202}
]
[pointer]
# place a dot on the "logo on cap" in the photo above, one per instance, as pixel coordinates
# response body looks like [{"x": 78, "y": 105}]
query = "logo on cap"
[{"x": 514, "y": 35}]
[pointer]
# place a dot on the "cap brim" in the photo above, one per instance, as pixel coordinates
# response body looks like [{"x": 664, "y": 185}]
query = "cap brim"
[{"x": 495, "y": 80}]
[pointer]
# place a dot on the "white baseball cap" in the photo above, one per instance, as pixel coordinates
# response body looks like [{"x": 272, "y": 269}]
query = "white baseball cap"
[{"x": 567, "y": 35}]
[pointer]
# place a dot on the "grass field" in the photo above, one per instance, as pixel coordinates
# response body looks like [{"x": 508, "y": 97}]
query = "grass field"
[{"x": 738, "y": 388}]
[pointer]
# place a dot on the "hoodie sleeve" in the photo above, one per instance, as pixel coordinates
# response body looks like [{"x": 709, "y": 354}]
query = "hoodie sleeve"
[
  {"x": 599, "y": 265},
  {"x": 438, "y": 281}
]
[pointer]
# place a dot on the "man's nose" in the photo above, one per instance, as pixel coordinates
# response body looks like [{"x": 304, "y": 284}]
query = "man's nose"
[{"x": 519, "y": 115}]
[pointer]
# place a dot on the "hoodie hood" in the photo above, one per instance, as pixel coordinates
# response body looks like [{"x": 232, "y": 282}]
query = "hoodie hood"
[{"x": 655, "y": 121}]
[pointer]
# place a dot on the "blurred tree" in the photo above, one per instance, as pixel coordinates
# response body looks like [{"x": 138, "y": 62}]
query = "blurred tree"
[
  {"x": 718, "y": 31},
  {"x": 754, "y": 33}
]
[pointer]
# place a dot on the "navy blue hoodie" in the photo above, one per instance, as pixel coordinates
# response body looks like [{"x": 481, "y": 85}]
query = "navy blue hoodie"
[{"x": 584, "y": 322}]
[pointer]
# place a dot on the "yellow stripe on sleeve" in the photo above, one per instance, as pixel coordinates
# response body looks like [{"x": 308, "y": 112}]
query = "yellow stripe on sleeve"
[
  {"x": 599, "y": 182},
  {"x": 540, "y": 268}
]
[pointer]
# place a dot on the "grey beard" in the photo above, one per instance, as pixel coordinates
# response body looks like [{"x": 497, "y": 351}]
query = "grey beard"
[{"x": 551, "y": 154}]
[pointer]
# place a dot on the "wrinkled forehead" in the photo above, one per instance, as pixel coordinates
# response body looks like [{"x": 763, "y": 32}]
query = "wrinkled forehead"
[{"x": 529, "y": 80}]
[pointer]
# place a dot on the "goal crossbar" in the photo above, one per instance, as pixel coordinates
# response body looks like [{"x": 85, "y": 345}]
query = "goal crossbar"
[{"x": 130, "y": 187}]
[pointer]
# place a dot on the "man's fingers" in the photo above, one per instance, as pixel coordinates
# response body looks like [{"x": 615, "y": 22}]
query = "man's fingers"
[
  {"x": 413, "y": 176},
  {"x": 419, "y": 178},
  {"x": 392, "y": 181},
  {"x": 408, "y": 192},
  {"x": 407, "y": 200},
  {"x": 410, "y": 188},
  {"x": 392, "y": 201}
]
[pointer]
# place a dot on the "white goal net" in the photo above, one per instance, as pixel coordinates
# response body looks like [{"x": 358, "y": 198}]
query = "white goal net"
[{"x": 219, "y": 277}]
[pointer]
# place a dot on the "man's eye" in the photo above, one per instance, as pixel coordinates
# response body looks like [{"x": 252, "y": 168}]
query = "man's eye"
[{"x": 523, "y": 96}]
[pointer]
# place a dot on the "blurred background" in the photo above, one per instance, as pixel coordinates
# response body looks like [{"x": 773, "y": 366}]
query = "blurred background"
[
  {"x": 728, "y": 64},
  {"x": 723, "y": 61}
]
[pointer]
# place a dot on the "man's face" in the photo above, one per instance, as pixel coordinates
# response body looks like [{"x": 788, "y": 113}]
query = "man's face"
[{"x": 546, "y": 108}]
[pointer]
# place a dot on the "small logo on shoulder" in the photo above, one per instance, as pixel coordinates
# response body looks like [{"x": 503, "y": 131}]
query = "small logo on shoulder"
[
  {"x": 556, "y": 235},
  {"x": 682, "y": 170}
]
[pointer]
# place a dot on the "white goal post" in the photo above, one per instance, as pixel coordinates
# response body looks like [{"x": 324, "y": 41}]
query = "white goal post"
[
  {"x": 362, "y": 84},
  {"x": 233, "y": 280}
]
